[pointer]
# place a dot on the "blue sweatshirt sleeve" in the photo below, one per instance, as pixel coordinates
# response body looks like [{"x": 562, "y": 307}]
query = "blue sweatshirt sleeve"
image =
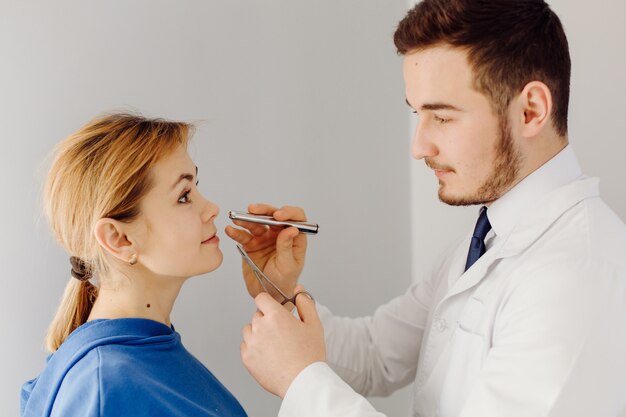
[{"x": 79, "y": 394}]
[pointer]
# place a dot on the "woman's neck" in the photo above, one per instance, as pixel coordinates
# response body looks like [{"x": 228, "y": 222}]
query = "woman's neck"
[{"x": 139, "y": 296}]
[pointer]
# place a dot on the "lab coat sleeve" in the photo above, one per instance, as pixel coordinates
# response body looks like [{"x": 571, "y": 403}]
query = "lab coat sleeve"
[
  {"x": 377, "y": 355},
  {"x": 318, "y": 392},
  {"x": 558, "y": 346},
  {"x": 366, "y": 356},
  {"x": 363, "y": 358}
]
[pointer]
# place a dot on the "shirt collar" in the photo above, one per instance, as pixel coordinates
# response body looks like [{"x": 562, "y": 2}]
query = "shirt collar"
[{"x": 505, "y": 212}]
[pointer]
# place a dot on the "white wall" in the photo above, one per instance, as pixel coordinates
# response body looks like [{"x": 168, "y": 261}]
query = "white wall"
[{"x": 300, "y": 103}]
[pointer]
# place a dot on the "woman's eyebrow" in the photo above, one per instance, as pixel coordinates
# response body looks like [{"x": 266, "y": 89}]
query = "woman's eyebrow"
[
  {"x": 185, "y": 176},
  {"x": 188, "y": 177}
]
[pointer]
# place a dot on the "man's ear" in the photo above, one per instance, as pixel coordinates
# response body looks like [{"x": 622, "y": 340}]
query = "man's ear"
[
  {"x": 535, "y": 108},
  {"x": 112, "y": 237}
]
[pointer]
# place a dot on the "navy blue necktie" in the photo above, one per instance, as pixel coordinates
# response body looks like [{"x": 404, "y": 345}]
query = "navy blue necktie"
[{"x": 477, "y": 247}]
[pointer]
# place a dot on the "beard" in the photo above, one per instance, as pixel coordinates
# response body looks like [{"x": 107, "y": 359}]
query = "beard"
[{"x": 504, "y": 172}]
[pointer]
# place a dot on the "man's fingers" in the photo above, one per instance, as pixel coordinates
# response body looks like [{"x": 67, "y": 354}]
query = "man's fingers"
[
  {"x": 246, "y": 332},
  {"x": 290, "y": 213},
  {"x": 241, "y": 236},
  {"x": 254, "y": 228},
  {"x": 266, "y": 304},
  {"x": 284, "y": 246},
  {"x": 299, "y": 247},
  {"x": 306, "y": 306},
  {"x": 260, "y": 208},
  {"x": 256, "y": 318},
  {"x": 298, "y": 242}
]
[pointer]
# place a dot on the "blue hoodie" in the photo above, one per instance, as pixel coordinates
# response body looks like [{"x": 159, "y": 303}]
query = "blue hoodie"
[{"x": 125, "y": 367}]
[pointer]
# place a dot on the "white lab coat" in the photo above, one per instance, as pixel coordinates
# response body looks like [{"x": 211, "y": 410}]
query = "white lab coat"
[{"x": 536, "y": 327}]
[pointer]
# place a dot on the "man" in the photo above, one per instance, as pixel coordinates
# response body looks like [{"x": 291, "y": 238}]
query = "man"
[{"x": 525, "y": 316}]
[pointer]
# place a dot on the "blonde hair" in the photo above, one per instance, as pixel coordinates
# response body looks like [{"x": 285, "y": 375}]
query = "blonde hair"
[{"x": 101, "y": 171}]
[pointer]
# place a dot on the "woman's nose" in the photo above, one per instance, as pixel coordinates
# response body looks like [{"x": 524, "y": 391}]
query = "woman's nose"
[{"x": 209, "y": 211}]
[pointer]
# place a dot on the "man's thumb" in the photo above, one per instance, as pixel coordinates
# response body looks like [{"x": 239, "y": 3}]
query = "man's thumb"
[{"x": 306, "y": 305}]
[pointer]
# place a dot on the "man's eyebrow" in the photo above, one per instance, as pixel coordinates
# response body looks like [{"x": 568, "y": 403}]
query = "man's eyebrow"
[
  {"x": 435, "y": 106},
  {"x": 439, "y": 106},
  {"x": 185, "y": 176}
]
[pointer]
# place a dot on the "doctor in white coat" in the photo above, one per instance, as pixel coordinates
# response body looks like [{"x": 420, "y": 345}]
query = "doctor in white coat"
[{"x": 523, "y": 316}]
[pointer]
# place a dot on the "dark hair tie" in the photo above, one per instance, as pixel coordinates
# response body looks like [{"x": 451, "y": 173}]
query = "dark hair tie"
[{"x": 80, "y": 269}]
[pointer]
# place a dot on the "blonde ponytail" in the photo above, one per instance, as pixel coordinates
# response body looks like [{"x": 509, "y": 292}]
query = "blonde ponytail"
[{"x": 76, "y": 303}]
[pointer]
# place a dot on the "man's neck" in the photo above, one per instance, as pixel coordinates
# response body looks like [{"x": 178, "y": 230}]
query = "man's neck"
[{"x": 537, "y": 157}]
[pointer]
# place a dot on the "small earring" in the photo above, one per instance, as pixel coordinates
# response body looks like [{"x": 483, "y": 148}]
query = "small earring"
[{"x": 133, "y": 259}]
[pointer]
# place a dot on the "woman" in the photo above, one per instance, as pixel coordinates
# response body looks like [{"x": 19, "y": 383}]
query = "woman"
[{"x": 121, "y": 198}]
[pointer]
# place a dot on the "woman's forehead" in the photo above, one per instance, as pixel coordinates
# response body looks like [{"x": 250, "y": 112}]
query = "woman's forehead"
[{"x": 169, "y": 169}]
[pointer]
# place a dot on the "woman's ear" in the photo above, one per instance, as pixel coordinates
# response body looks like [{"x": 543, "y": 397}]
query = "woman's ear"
[
  {"x": 535, "y": 108},
  {"x": 112, "y": 237}
]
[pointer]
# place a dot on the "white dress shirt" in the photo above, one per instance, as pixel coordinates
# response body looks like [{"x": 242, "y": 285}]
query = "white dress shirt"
[{"x": 536, "y": 327}]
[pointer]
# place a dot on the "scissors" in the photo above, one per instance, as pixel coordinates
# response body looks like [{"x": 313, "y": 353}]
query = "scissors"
[{"x": 261, "y": 276}]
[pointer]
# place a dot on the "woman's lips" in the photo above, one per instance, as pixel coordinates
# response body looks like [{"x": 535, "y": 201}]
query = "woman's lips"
[{"x": 212, "y": 240}]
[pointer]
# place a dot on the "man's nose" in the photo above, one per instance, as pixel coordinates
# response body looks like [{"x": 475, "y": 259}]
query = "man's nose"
[{"x": 422, "y": 146}]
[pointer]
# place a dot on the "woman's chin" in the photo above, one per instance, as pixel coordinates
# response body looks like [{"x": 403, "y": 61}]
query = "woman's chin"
[
  {"x": 205, "y": 265},
  {"x": 215, "y": 262}
]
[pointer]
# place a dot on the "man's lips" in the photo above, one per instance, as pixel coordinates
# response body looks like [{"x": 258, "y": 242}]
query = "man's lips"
[
  {"x": 212, "y": 239},
  {"x": 441, "y": 173},
  {"x": 439, "y": 169}
]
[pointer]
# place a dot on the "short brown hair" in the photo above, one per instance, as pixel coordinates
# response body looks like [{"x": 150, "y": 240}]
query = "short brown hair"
[{"x": 509, "y": 43}]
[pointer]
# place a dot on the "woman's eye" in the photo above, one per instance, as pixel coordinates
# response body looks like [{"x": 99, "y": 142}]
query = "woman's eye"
[{"x": 184, "y": 199}]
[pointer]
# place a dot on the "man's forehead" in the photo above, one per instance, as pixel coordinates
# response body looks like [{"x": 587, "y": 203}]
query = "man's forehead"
[
  {"x": 439, "y": 72},
  {"x": 437, "y": 59}
]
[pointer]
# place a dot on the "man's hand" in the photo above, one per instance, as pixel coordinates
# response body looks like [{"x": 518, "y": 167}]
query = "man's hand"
[
  {"x": 277, "y": 251},
  {"x": 277, "y": 346}
]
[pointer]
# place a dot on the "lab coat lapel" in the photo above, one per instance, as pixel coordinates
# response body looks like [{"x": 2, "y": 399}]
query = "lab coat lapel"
[
  {"x": 527, "y": 231},
  {"x": 474, "y": 275}
]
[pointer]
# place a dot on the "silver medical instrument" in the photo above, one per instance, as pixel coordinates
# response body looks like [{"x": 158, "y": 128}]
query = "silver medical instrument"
[
  {"x": 261, "y": 276},
  {"x": 307, "y": 228}
]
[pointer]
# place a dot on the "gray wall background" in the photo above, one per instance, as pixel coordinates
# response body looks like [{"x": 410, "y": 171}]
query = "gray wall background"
[{"x": 297, "y": 102}]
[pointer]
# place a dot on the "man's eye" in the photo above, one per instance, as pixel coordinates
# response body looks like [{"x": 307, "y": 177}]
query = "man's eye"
[
  {"x": 184, "y": 199},
  {"x": 441, "y": 120}
]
